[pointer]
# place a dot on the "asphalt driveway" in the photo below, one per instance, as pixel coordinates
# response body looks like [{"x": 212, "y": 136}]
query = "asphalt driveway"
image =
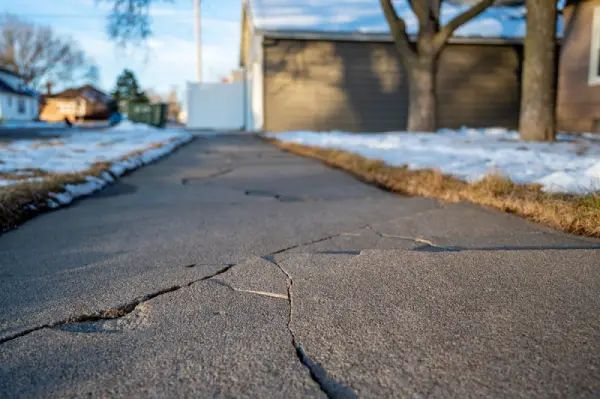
[{"x": 233, "y": 269}]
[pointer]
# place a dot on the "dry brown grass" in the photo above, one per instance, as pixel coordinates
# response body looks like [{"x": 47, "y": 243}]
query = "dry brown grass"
[
  {"x": 23, "y": 174},
  {"x": 570, "y": 213},
  {"x": 17, "y": 201}
]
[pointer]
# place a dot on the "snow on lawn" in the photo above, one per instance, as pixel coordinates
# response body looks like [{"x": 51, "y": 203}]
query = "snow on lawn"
[
  {"x": 570, "y": 165},
  {"x": 32, "y": 125},
  {"x": 127, "y": 146}
]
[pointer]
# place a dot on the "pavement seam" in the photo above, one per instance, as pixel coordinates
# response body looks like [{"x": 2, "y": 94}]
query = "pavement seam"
[
  {"x": 263, "y": 293},
  {"x": 112, "y": 313},
  {"x": 270, "y": 257},
  {"x": 440, "y": 248},
  {"x": 331, "y": 388},
  {"x": 275, "y": 196},
  {"x": 219, "y": 173},
  {"x": 417, "y": 240}
]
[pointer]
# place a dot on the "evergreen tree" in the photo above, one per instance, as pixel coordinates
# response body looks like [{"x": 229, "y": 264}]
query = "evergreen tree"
[{"x": 128, "y": 90}]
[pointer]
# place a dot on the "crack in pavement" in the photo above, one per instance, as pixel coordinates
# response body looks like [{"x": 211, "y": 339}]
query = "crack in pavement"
[
  {"x": 263, "y": 293},
  {"x": 123, "y": 310},
  {"x": 329, "y": 386},
  {"x": 111, "y": 313},
  {"x": 417, "y": 240},
  {"x": 219, "y": 173},
  {"x": 339, "y": 252},
  {"x": 270, "y": 258},
  {"x": 278, "y": 197}
]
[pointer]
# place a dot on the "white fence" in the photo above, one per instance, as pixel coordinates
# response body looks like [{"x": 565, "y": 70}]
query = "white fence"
[{"x": 216, "y": 106}]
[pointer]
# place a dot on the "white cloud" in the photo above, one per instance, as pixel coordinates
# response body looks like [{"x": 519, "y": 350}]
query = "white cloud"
[{"x": 366, "y": 15}]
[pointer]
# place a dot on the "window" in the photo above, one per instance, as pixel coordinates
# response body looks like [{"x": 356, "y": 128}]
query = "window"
[
  {"x": 66, "y": 108},
  {"x": 594, "y": 71},
  {"x": 21, "y": 105},
  {"x": 10, "y": 101}
]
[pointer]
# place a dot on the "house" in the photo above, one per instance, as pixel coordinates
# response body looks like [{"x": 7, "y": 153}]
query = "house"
[
  {"x": 333, "y": 66},
  {"x": 578, "y": 98},
  {"x": 77, "y": 104},
  {"x": 17, "y": 101}
]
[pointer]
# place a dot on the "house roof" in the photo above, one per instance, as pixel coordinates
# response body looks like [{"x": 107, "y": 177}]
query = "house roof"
[
  {"x": 88, "y": 91},
  {"x": 9, "y": 72},
  {"x": 6, "y": 88},
  {"x": 365, "y": 17}
]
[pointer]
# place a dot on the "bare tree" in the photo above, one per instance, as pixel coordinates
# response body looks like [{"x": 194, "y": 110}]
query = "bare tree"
[
  {"x": 538, "y": 98},
  {"x": 39, "y": 55},
  {"x": 420, "y": 58}
]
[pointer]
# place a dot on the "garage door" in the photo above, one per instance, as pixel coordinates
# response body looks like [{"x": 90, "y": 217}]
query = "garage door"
[{"x": 319, "y": 85}]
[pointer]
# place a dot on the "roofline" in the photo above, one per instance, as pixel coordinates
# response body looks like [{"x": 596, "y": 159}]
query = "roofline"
[
  {"x": 9, "y": 72},
  {"x": 374, "y": 37},
  {"x": 79, "y": 91},
  {"x": 12, "y": 93}
]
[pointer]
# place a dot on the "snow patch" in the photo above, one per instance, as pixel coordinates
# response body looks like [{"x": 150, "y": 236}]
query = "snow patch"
[{"x": 79, "y": 152}]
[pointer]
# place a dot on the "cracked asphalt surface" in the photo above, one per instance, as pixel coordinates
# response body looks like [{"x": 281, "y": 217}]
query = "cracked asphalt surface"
[{"x": 232, "y": 269}]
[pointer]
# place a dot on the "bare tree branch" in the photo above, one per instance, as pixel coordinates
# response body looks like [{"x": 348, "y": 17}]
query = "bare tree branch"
[
  {"x": 435, "y": 9},
  {"x": 421, "y": 10},
  {"x": 129, "y": 20},
  {"x": 397, "y": 25},
  {"x": 38, "y": 54},
  {"x": 447, "y": 31}
]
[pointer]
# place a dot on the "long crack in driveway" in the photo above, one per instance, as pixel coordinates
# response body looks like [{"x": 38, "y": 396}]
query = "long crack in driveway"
[{"x": 232, "y": 269}]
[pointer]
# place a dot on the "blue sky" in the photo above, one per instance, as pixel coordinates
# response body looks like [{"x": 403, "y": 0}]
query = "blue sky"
[
  {"x": 169, "y": 57},
  {"x": 366, "y": 16}
]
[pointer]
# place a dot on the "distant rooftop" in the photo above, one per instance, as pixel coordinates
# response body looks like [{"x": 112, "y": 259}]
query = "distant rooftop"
[
  {"x": 365, "y": 16},
  {"x": 9, "y": 72},
  {"x": 6, "y": 88}
]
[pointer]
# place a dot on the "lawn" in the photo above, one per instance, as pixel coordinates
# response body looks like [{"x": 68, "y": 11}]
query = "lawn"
[{"x": 42, "y": 174}]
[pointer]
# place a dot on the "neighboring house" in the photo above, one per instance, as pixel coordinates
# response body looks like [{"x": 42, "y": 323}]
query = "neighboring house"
[
  {"x": 578, "y": 102},
  {"x": 83, "y": 103},
  {"x": 17, "y": 102},
  {"x": 318, "y": 66}
]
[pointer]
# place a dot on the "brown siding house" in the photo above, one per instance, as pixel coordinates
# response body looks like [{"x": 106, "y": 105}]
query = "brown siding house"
[
  {"x": 83, "y": 103},
  {"x": 578, "y": 100},
  {"x": 360, "y": 86}
]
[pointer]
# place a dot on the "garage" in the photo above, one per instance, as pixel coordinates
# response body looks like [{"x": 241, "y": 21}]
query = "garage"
[{"x": 349, "y": 80}]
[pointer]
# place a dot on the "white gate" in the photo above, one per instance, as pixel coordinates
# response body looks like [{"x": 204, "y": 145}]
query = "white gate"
[{"x": 216, "y": 106}]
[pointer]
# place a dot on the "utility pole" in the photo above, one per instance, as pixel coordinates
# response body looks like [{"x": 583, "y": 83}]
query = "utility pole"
[{"x": 198, "y": 39}]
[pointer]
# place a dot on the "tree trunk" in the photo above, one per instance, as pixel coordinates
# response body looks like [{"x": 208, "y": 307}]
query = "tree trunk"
[
  {"x": 422, "y": 110},
  {"x": 538, "y": 97}
]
